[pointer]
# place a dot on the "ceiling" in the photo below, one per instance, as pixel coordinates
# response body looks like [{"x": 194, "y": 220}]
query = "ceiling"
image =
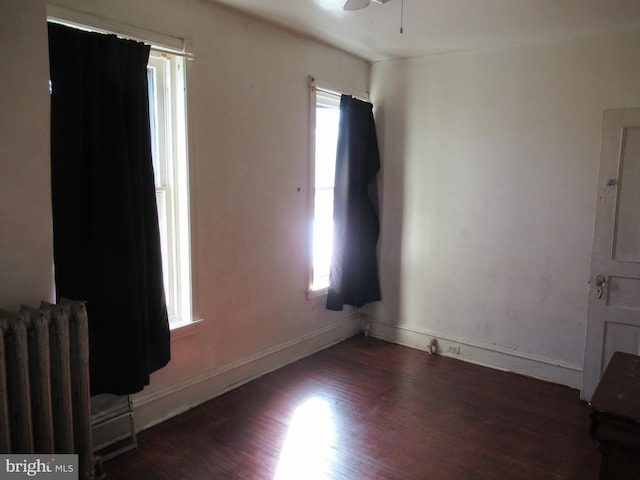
[{"x": 439, "y": 26}]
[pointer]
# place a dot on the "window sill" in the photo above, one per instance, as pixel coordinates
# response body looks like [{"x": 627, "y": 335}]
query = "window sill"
[{"x": 185, "y": 329}]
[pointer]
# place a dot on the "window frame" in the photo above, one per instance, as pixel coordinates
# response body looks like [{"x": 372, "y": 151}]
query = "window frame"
[
  {"x": 316, "y": 87},
  {"x": 322, "y": 98},
  {"x": 172, "y": 181}
]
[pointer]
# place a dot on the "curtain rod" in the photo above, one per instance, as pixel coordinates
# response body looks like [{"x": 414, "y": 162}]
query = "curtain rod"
[
  {"x": 313, "y": 84},
  {"x": 154, "y": 47},
  {"x": 158, "y": 41}
]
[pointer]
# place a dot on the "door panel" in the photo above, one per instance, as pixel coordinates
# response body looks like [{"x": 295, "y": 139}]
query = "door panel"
[
  {"x": 627, "y": 231},
  {"x": 613, "y": 319},
  {"x": 623, "y": 292}
]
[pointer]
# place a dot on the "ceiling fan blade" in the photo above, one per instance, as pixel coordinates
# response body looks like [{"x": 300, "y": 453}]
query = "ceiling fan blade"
[{"x": 355, "y": 4}]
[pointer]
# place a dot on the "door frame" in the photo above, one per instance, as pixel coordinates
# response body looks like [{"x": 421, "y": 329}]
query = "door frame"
[{"x": 602, "y": 253}]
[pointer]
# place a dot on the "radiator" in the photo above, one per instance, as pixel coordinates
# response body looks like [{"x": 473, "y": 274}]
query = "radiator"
[{"x": 45, "y": 404}]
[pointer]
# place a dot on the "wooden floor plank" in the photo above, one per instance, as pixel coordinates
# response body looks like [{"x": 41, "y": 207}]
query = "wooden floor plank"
[{"x": 368, "y": 409}]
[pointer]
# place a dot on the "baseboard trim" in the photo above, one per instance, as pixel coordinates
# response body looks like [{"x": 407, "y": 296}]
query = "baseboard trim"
[
  {"x": 158, "y": 406},
  {"x": 489, "y": 355}
]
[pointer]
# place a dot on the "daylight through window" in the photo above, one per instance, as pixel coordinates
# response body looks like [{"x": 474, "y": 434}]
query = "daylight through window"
[
  {"x": 166, "y": 78},
  {"x": 327, "y": 119}
]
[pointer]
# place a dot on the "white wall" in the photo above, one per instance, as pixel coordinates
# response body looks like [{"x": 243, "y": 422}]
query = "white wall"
[
  {"x": 248, "y": 102},
  {"x": 488, "y": 190},
  {"x": 26, "y": 246}
]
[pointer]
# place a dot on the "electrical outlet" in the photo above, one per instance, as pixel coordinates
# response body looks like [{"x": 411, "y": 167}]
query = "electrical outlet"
[{"x": 454, "y": 349}]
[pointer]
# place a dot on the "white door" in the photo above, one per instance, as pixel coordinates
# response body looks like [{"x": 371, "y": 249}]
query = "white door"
[{"x": 613, "y": 320}]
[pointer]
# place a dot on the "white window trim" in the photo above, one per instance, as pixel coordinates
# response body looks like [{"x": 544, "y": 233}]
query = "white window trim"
[{"x": 175, "y": 186}]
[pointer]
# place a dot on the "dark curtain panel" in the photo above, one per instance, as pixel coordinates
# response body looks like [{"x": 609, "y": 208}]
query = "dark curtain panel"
[
  {"x": 105, "y": 225},
  {"x": 354, "y": 267}
]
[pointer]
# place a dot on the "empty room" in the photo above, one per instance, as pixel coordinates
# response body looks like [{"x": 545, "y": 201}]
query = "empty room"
[{"x": 244, "y": 320}]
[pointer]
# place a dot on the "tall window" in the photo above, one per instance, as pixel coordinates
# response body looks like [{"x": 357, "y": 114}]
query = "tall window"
[
  {"x": 167, "y": 111},
  {"x": 327, "y": 119},
  {"x": 166, "y": 80}
]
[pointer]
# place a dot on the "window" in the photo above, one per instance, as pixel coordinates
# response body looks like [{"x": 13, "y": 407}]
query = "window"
[
  {"x": 167, "y": 114},
  {"x": 327, "y": 119}
]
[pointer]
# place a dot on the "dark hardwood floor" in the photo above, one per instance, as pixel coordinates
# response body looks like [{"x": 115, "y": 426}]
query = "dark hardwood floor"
[{"x": 367, "y": 409}]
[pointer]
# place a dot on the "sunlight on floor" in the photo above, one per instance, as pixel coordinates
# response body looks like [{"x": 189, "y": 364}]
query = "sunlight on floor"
[{"x": 309, "y": 448}]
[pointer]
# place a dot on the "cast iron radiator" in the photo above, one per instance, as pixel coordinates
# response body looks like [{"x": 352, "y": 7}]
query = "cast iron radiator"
[{"x": 45, "y": 402}]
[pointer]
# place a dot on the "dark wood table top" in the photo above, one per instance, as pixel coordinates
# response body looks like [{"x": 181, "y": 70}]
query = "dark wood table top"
[{"x": 618, "y": 392}]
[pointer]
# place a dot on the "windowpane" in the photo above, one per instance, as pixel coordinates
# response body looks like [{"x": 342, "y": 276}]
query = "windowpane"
[
  {"x": 327, "y": 119},
  {"x": 161, "y": 201},
  {"x": 322, "y": 237},
  {"x": 153, "y": 120},
  {"x": 161, "y": 121}
]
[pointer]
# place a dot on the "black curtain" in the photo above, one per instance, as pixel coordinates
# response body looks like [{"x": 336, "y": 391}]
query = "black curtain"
[
  {"x": 105, "y": 225},
  {"x": 354, "y": 266}
]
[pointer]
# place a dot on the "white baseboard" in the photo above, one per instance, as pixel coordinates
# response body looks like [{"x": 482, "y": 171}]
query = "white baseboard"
[
  {"x": 488, "y": 355},
  {"x": 153, "y": 408}
]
